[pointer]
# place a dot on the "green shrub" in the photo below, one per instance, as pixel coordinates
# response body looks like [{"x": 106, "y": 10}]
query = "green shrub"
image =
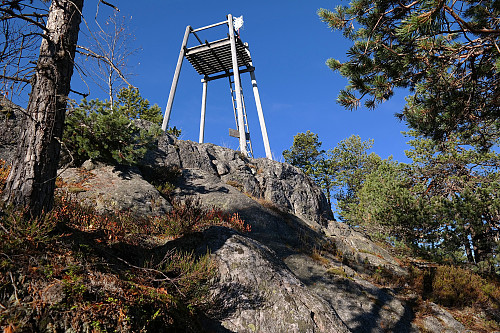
[
  {"x": 97, "y": 130},
  {"x": 458, "y": 287}
]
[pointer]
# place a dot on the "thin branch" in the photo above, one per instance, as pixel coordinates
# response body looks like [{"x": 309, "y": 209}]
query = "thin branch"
[
  {"x": 23, "y": 17},
  {"x": 12, "y": 78},
  {"x": 97, "y": 11},
  {"x": 496, "y": 45},
  {"x": 165, "y": 277},
  {"x": 110, "y": 5},
  {"x": 91, "y": 53},
  {"x": 15, "y": 288},
  {"x": 70, "y": 163},
  {"x": 466, "y": 26},
  {"x": 4, "y": 229},
  {"x": 79, "y": 93}
]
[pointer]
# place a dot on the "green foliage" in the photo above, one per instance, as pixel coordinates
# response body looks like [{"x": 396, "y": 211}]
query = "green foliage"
[
  {"x": 352, "y": 164},
  {"x": 133, "y": 106},
  {"x": 96, "y": 130},
  {"x": 461, "y": 184},
  {"x": 446, "y": 202},
  {"x": 174, "y": 131},
  {"x": 446, "y": 53},
  {"x": 384, "y": 199},
  {"x": 304, "y": 151},
  {"x": 305, "y": 154},
  {"x": 339, "y": 171}
]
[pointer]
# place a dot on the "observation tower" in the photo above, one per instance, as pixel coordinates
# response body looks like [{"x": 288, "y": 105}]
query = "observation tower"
[{"x": 228, "y": 58}]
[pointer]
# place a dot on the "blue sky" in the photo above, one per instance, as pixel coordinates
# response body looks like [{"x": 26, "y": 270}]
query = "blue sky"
[{"x": 289, "y": 46}]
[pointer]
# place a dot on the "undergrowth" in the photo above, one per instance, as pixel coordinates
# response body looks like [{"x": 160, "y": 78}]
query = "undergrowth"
[
  {"x": 455, "y": 288},
  {"x": 73, "y": 269}
]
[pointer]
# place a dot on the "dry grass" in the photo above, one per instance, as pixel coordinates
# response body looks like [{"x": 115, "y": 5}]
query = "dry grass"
[{"x": 73, "y": 269}]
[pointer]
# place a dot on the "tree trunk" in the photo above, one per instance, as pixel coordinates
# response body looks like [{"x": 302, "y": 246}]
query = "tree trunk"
[{"x": 31, "y": 181}]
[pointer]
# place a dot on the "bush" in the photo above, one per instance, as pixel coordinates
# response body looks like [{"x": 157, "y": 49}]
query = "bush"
[
  {"x": 82, "y": 271},
  {"x": 458, "y": 287},
  {"x": 97, "y": 130}
]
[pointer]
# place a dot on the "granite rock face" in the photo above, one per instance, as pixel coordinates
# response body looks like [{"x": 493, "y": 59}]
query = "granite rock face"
[
  {"x": 281, "y": 184},
  {"x": 255, "y": 292},
  {"x": 11, "y": 118},
  {"x": 109, "y": 189},
  {"x": 271, "y": 279}
]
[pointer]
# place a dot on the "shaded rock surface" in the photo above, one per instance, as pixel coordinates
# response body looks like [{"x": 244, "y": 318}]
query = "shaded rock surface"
[
  {"x": 256, "y": 292},
  {"x": 440, "y": 320},
  {"x": 11, "y": 118},
  {"x": 359, "y": 250}
]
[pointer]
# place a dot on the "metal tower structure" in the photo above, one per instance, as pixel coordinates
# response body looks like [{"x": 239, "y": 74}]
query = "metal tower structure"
[{"x": 228, "y": 57}]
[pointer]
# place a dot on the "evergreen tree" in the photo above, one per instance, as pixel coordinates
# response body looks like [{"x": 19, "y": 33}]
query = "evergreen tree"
[
  {"x": 304, "y": 152},
  {"x": 446, "y": 202},
  {"x": 339, "y": 171},
  {"x": 352, "y": 165},
  {"x": 446, "y": 53},
  {"x": 130, "y": 103},
  {"x": 95, "y": 130}
]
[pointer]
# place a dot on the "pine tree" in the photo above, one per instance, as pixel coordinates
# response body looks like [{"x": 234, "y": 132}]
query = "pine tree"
[
  {"x": 351, "y": 165},
  {"x": 95, "y": 130},
  {"x": 304, "y": 152},
  {"x": 446, "y": 202},
  {"x": 340, "y": 171},
  {"x": 31, "y": 181},
  {"x": 446, "y": 53},
  {"x": 130, "y": 103}
]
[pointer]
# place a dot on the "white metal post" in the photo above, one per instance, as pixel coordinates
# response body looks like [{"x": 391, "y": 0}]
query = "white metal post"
[
  {"x": 237, "y": 84},
  {"x": 173, "y": 87},
  {"x": 203, "y": 109},
  {"x": 261, "y": 116}
]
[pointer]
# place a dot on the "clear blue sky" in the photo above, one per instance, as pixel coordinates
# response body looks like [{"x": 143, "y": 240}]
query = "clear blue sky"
[{"x": 289, "y": 46}]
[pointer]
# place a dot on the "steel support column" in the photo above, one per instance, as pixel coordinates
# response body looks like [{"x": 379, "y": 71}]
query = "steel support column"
[
  {"x": 237, "y": 86},
  {"x": 263, "y": 129},
  {"x": 175, "y": 80},
  {"x": 203, "y": 109}
]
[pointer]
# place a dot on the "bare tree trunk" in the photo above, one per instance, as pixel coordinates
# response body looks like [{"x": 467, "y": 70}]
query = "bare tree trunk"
[{"x": 31, "y": 182}]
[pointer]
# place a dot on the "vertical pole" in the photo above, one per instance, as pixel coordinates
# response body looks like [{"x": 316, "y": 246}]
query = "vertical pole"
[
  {"x": 168, "y": 109},
  {"x": 261, "y": 116},
  {"x": 203, "y": 109},
  {"x": 237, "y": 86}
]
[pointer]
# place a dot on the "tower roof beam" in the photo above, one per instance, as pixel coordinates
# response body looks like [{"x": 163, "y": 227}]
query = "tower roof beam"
[{"x": 210, "y": 26}]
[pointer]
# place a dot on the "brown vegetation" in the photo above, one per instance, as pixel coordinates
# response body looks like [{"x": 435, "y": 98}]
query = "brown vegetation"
[{"x": 73, "y": 268}]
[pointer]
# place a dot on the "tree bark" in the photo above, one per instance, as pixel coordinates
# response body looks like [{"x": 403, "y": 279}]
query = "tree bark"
[{"x": 31, "y": 182}]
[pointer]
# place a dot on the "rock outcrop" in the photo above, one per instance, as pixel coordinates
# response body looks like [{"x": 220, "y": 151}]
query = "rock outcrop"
[
  {"x": 11, "y": 118},
  {"x": 279, "y": 183},
  {"x": 256, "y": 292},
  {"x": 297, "y": 271},
  {"x": 290, "y": 217},
  {"x": 108, "y": 189}
]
